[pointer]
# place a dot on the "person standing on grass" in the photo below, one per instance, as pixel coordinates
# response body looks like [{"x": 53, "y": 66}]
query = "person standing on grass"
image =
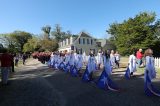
[
  {"x": 24, "y": 58},
  {"x": 139, "y": 56},
  {"x": 16, "y": 60},
  {"x": 6, "y": 64},
  {"x": 117, "y": 56},
  {"x": 12, "y": 56}
]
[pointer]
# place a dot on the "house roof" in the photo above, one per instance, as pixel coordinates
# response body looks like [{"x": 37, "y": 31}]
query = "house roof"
[{"x": 84, "y": 34}]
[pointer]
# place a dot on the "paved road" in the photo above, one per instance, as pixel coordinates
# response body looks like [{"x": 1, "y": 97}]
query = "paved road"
[{"x": 37, "y": 85}]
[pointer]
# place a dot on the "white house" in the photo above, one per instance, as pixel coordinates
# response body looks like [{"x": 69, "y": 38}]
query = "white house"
[{"x": 82, "y": 42}]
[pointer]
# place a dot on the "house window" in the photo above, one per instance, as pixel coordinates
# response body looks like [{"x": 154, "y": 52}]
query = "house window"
[
  {"x": 68, "y": 41},
  {"x": 79, "y": 41},
  {"x": 87, "y": 41},
  {"x": 91, "y": 41},
  {"x": 83, "y": 40},
  {"x": 72, "y": 47}
]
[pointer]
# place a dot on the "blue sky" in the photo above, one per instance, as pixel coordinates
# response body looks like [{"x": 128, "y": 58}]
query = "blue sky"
[{"x": 93, "y": 16}]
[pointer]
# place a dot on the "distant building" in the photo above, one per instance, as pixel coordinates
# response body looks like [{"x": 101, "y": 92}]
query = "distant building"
[
  {"x": 82, "y": 42},
  {"x": 105, "y": 44}
]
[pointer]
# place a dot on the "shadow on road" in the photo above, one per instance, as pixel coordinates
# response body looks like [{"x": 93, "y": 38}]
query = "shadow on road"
[{"x": 43, "y": 86}]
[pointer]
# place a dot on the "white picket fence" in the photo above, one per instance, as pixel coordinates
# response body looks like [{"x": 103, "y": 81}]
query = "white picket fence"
[{"x": 157, "y": 62}]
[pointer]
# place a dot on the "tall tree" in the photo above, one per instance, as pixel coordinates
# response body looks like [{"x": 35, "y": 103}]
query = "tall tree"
[
  {"x": 20, "y": 38},
  {"x": 48, "y": 45},
  {"x": 9, "y": 43},
  {"x": 46, "y": 29},
  {"x": 32, "y": 45},
  {"x": 133, "y": 33},
  {"x": 58, "y": 34}
]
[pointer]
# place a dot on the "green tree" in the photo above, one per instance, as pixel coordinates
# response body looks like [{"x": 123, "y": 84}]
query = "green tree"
[
  {"x": 59, "y": 35},
  {"x": 133, "y": 33},
  {"x": 20, "y": 38},
  {"x": 48, "y": 45},
  {"x": 9, "y": 43},
  {"x": 46, "y": 31},
  {"x": 32, "y": 45}
]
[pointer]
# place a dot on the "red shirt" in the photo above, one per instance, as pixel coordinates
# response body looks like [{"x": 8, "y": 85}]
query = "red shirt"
[
  {"x": 139, "y": 55},
  {"x": 6, "y": 60}
]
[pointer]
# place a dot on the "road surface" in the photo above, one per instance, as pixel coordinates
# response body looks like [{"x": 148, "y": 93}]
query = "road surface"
[{"x": 37, "y": 85}]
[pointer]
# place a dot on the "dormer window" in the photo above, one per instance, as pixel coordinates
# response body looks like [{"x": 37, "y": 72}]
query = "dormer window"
[
  {"x": 88, "y": 41},
  {"x": 83, "y": 40},
  {"x": 91, "y": 41},
  {"x": 79, "y": 40}
]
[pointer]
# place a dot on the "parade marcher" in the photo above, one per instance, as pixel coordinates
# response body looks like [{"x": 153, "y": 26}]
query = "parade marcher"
[
  {"x": 79, "y": 62},
  {"x": 67, "y": 57},
  {"x": 52, "y": 60},
  {"x": 67, "y": 65},
  {"x": 117, "y": 56},
  {"x": 150, "y": 73},
  {"x": 112, "y": 58},
  {"x": 84, "y": 58},
  {"x": 139, "y": 57},
  {"x": 131, "y": 65},
  {"x": 99, "y": 59},
  {"x": 56, "y": 59},
  {"x": 90, "y": 68},
  {"x": 6, "y": 64},
  {"x": 72, "y": 63},
  {"x": 72, "y": 59},
  {"x": 61, "y": 61},
  {"x": 105, "y": 81},
  {"x": 150, "y": 64},
  {"x": 106, "y": 63}
]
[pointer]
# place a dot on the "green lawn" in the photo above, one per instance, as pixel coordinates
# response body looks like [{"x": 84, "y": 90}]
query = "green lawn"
[{"x": 141, "y": 71}]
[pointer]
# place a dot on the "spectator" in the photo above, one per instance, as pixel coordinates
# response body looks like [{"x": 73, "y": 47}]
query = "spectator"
[
  {"x": 16, "y": 60},
  {"x": 117, "y": 56},
  {"x": 139, "y": 57},
  {"x": 6, "y": 64},
  {"x": 12, "y": 56},
  {"x": 24, "y": 58}
]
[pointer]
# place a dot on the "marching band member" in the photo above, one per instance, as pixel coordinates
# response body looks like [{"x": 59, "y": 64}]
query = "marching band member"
[
  {"x": 150, "y": 73},
  {"x": 90, "y": 68},
  {"x": 131, "y": 65},
  {"x": 99, "y": 59},
  {"x": 79, "y": 61},
  {"x": 112, "y": 58},
  {"x": 105, "y": 81},
  {"x": 106, "y": 63}
]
